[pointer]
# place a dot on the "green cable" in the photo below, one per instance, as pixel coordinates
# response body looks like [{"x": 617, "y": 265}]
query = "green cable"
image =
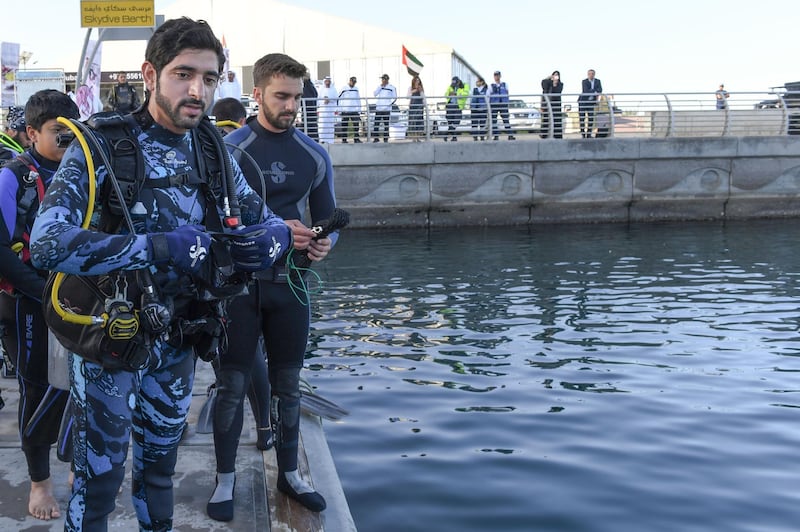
[
  {"x": 300, "y": 287},
  {"x": 11, "y": 143}
]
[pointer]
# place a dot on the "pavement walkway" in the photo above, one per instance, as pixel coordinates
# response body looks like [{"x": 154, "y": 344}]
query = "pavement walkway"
[{"x": 258, "y": 504}]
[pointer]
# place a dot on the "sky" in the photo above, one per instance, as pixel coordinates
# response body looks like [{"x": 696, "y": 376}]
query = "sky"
[{"x": 634, "y": 46}]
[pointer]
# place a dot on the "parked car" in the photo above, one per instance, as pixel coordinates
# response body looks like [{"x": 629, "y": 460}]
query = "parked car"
[
  {"x": 523, "y": 117},
  {"x": 250, "y": 104},
  {"x": 398, "y": 121},
  {"x": 790, "y": 96},
  {"x": 790, "y": 93}
]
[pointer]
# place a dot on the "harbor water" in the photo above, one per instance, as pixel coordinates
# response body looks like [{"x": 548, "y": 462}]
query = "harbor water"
[{"x": 564, "y": 378}]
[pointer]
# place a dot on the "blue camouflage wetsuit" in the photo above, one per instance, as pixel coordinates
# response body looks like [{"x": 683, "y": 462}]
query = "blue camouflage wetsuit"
[
  {"x": 151, "y": 403},
  {"x": 298, "y": 173},
  {"x": 21, "y": 313}
]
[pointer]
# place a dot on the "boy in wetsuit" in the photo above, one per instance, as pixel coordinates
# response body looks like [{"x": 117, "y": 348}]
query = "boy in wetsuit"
[{"x": 22, "y": 184}]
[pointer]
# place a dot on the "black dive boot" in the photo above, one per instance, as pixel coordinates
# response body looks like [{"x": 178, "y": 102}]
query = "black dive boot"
[
  {"x": 286, "y": 429},
  {"x": 227, "y": 409}
]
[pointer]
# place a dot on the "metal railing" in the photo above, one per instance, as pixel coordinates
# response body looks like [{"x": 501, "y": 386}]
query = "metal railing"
[{"x": 658, "y": 115}]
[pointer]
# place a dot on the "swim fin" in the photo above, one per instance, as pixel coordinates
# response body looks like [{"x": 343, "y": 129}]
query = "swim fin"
[
  {"x": 310, "y": 402},
  {"x": 64, "y": 442},
  {"x": 39, "y": 429},
  {"x": 205, "y": 421},
  {"x": 313, "y": 403},
  {"x": 319, "y": 406}
]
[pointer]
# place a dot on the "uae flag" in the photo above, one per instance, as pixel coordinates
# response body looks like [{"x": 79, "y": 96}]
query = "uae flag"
[{"x": 413, "y": 65}]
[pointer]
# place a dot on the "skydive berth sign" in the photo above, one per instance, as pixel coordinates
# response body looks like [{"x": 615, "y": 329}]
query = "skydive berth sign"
[{"x": 117, "y": 13}]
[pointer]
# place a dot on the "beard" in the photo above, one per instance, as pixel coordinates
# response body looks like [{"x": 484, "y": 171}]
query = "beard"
[
  {"x": 173, "y": 112},
  {"x": 278, "y": 121}
]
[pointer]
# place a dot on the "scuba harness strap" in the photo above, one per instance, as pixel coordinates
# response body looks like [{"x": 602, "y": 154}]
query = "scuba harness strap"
[
  {"x": 31, "y": 190},
  {"x": 218, "y": 281},
  {"x": 118, "y": 341},
  {"x": 127, "y": 167}
]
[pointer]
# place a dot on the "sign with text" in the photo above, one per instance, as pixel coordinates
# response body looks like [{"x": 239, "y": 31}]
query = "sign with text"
[{"x": 117, "y": 13}]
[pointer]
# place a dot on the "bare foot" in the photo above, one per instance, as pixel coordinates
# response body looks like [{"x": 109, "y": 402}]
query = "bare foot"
[
  {"x": 71, "y": 479},
  {"x": 42, "y": 504}
]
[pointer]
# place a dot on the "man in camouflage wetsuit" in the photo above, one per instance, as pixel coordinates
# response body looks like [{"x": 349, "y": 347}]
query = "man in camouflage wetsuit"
[{"x": 183, "y": 61}]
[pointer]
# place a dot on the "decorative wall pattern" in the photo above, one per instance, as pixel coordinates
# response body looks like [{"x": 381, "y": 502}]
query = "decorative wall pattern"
[{"x": 598, "y": 180}]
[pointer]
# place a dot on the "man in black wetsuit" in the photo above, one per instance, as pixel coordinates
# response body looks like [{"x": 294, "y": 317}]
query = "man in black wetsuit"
[{"x": 299, "y": 176}]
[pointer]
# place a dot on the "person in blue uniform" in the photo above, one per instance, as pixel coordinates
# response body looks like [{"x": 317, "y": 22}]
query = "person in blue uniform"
[
  {"x": 23, "y": 182},
  {"x": 179, "y": 196},
  {"x": 299, "y": 177}
]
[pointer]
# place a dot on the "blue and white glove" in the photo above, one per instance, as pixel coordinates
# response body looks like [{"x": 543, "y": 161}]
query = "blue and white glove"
[
  {"x": 185, "y": 248},
  {"x": 257, "y": 247}
]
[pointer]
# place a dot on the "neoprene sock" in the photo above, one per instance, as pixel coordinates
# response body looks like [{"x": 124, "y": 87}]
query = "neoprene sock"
[
  {"x": 293, "y": 485},
  {"x": 220, "y": 506},
  {"x": 224, "y": 489}
]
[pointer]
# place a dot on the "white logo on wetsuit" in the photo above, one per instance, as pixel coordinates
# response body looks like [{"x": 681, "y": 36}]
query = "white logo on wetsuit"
[
  {"x": 171, "y": 157},
  {"x": 278, "y": 172},
  {"x": 275, "y": 249},
  {"x": 197, "y": 252}
]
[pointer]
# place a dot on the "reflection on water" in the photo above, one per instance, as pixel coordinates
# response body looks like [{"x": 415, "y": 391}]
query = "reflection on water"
[{"x": 599, "y": 377}]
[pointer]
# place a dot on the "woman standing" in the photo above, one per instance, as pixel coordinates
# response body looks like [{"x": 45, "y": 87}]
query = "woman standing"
[
  {"x": 416, "y": 109},
  {"x": 551, "y": 90},
  {"x": 478, "y": 108}
]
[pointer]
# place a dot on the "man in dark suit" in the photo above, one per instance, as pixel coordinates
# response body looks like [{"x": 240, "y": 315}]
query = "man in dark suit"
[
  {"x": 590, "y": 88},
  {"x": 309, "y": 107}
]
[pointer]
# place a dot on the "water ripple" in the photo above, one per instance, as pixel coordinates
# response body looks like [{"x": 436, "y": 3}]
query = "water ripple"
[{"x": 592, "y": 378}]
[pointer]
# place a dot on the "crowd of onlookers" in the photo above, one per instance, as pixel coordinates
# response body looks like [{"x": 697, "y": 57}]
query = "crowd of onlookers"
[{"x": 329, "y": 114}]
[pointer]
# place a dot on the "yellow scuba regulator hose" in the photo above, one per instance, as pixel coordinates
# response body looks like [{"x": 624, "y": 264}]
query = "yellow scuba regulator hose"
[
  {"x": 228, "y": 123},
  {"x": 65, "y": 314}
]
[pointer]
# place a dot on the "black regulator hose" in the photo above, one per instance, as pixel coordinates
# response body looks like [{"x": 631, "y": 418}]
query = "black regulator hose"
[{"x": 233, "y": 212}]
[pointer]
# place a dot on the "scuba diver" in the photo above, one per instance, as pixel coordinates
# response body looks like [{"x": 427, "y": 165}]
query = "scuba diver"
[
  {"x": 154, "y": 283},
  {"x": 14, "y": 140},
  {"x": 23, "y": 181},
  {"x": 299, "y": 177}
]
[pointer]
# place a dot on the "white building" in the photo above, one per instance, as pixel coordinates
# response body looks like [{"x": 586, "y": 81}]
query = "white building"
[{"x": 328, "y": 45}]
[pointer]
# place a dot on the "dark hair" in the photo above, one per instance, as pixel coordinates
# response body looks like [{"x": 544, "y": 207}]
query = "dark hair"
[
  {"x": 272, "y": 64},
  {"x": 229, "y": 109},
  {"x": 48, "y": 104},
  {"x": 179, "y": 34}
]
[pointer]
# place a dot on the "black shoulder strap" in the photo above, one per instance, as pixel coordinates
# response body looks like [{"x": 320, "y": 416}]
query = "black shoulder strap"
[
  {"x": 128, "y": 165},
  {"x": 208, "y": 165},
  {"x": 31, "y": 189},
  {"x": 125, "y": 157}
]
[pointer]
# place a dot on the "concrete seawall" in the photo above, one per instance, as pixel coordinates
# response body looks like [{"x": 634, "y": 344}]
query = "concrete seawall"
[{"x": 531, "y": 181}]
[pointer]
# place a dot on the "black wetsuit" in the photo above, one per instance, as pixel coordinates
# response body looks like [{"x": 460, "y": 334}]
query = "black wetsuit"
[
  {"x": 298, "y": 173},
  {"x": 25, "y": 339}
]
